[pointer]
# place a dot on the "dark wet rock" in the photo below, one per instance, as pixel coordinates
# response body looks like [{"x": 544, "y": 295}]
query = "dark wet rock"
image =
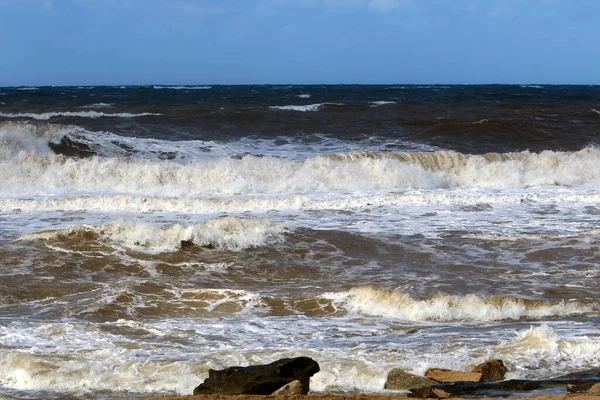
[
  {"x": 589, "y": 388},
  {"x": 446, "y": 390},
  {"x": 187, "y": 243},
  {"x": 398, "y": 379},
  {"x": 70, "y": 148},
  {"x": 447, "y": 375},
  {"x": 167, "y": 155},
  {"x": 491, "y": 371},
  {"x": 588, "y": 373},
  {"x": 259, "y": 379},
  {"x": 422, "y": 392}
]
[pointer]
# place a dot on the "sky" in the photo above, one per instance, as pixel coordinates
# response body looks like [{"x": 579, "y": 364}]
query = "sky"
[{"x": 135, "y": 42}]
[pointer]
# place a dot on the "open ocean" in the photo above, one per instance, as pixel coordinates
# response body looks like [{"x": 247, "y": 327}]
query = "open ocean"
[{"x": 150, "y": 233}]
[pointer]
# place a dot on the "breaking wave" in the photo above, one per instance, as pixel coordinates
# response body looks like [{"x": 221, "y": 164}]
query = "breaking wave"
[
  {"x": 381, "y": 103},
  {"x": 540, "y": 347},
  {"x": 23, "y": 139},
  {"x": 374, "y": 301},
  {"x": 183, "y": 87},
  {"x": 252, "y": 175},
  {"x": 99, "y": 105},
  {"x": 228, "y": 233},
  {"x": 80, "y": 114},
  {"x": 33, "y": 158},
  {"x": 305, "y": 108}
]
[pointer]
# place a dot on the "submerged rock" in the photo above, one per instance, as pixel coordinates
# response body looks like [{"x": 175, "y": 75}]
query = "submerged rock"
[
  {"x": 588, "y": 388},
  {"x": 398, "y": 379},
  {"x": 71, "y": 148},
  {"x": 259, "y": 379},
  {"x": 491, "y": 371}
]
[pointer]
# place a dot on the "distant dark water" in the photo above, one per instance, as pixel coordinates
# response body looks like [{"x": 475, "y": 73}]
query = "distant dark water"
[{"x": 471, "y": 119}]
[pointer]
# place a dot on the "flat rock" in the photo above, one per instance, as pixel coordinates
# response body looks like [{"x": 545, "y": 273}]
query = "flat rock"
[
  {"x": 259, "y": 379},
  {"x": 448, "y": 376},
  {"x": 440, "y": 393},
  {"x": 491, "y": 371},
  {"x": 294, "y": 387},
  {"x": 398, "y": 379}
]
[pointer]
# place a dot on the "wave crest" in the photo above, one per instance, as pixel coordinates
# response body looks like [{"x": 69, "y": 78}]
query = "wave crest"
[
  {"x": 504, "y": 170},
  {"x": 541, "y": 347},
  {"x": 374, "y": 301},
  {"x": 71, "y": 114},
  {"x": 227, "y": 233}
]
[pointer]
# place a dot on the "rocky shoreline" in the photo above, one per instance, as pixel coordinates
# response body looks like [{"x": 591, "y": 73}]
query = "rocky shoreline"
[
  {"x": 325, "y": 396},
  {"x": 290, "y": 378}
]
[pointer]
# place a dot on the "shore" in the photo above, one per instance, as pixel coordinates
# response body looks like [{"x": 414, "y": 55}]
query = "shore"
[{"x": 352, "y": 397}]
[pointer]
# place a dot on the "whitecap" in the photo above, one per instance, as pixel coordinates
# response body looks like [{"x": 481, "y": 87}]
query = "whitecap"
[
  {"x": 183, "y": 87},
  {"x": 80, "y": 114},
  {"x": 227, "y": 233},
  {"x": 98, "y": 105},
  {"x": 381, "y": 103},
  {"x": 305, "y": 108}
]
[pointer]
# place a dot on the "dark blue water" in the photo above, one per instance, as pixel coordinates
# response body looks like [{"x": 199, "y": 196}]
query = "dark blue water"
[{"x": 472, "y": 119}]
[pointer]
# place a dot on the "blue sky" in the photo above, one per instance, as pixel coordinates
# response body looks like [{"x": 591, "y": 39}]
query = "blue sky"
[{"x": 94, "y": 42}]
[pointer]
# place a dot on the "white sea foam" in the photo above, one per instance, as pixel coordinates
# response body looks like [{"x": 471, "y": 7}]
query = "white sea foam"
[
  {"x": 18, "y": 140},
  {"x": 269, "y": 175},
  {"x": 81, "y": 114},
  {"x": 305, "y": 108},
  {"x": 170, "y": 204},
  {"x": 143, "y": 357},
  {"x": 541, "y": 348},
  {"x": 28, "y": 88},
  {"x": 596, "y": 111},
  {"x": 106, "y": 368},
  {"x": 370, "y": 300},
  {"x": 183, "y": 87},
  {"x": 98, "y": 105},
  {"x": 304, "y": 96},
  {"x": 250, "y": 175},
  {"x": 508, "y": 170},
  {"x": 228, "y": 233},
  {"x": 381, "y": 103}
]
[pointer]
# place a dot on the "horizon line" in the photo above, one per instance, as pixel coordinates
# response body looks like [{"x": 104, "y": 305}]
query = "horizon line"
[{"x": 167, "y": 85}]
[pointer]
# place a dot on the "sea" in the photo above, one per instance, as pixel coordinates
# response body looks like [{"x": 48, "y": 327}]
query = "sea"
[{"x": 151, "y": 233}]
